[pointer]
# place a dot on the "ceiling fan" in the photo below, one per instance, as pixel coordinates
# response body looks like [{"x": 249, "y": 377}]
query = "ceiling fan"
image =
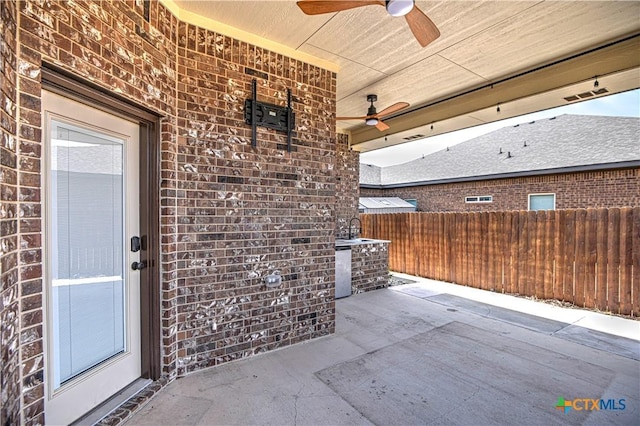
[
  {"x": 423, "y": 29},
  {"x": 374, "y": 118}
]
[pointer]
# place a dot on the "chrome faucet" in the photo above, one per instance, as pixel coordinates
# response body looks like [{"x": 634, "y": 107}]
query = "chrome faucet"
[{"x": 351, "y": 236}]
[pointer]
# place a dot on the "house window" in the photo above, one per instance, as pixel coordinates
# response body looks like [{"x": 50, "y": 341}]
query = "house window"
[
  {"x": 479, "y": 199},
  {"x": 542, "y": 201}
]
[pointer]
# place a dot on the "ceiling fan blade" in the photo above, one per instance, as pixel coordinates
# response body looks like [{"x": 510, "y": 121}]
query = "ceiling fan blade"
[
  {"x": 317, "y": 7},
  {"x": 381, "y": 126},
  {"x": 391, "y": 109},
  {"x": 423, "y": 28},
  {"x": 353, "y": 118}
]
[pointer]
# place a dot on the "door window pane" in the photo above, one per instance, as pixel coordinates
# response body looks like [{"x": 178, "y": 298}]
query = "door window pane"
[{"x": 87, "y": 241}]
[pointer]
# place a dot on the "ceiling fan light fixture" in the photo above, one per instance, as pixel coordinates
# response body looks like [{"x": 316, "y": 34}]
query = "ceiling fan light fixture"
[
  {"x": 372, "y": 121},
  {"x": 399, "y": 7}
]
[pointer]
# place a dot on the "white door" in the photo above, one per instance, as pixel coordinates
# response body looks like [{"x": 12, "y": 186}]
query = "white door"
[{"x": 93, "y": 294}]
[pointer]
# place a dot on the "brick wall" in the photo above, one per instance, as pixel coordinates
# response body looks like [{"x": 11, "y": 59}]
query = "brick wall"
[
  {"x": 369, "y": 266},
  {"x": 244, "y": 213},
  {"x": 609, "y": 188},
  {"x": 230, "y": 214},
  {"x": 10, "y": 290},
  {"x": 347, "y": 186}
]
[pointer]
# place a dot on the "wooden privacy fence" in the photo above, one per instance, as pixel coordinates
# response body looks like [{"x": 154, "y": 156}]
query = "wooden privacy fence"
[{"x": 590, "y": 258}]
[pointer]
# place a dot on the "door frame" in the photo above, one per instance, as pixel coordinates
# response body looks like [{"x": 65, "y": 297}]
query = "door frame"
[{"x": 63, "y": 83}]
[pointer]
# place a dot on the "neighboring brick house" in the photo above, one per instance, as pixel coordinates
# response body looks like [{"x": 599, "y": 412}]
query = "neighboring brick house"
[{"x": 569, "y": 161}]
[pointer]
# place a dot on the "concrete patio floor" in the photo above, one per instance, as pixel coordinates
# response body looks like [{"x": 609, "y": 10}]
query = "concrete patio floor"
[{"x": 426, "y": 353}]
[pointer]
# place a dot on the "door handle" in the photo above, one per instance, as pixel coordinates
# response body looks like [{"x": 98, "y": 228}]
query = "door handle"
[{"x": 137, "y": 266}]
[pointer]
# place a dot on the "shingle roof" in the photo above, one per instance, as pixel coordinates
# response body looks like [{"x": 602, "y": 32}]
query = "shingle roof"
[{"x": 562, "y": 142}]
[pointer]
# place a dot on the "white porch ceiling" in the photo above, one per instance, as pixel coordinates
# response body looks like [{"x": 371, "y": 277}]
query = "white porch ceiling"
[{"x": 533, "y": 52}]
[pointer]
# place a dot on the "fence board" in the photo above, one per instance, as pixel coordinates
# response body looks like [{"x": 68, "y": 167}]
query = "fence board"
[
  {"x": 480, "y": 268},
  {"x": 613, "y": 261},
  {"x": 532, "y": 261},
  {"x": 559, "y": 260},
  {"x": 484, "y": 252},
  {"x": 439, "y": 254},
  {"x": 451, "y": 232},
  {"x": 515, "y": 244},
  {"x": 476, "y": 268},
  {"x": 402, "y": 253},
  {"x": 494, "y": 252},
  {"x": 541, "y": 262},
  {"x": 635, "y": 244},
  {"x": 626, "y": 256},
  {"x": 395, "y": 243},
  {"x": 477, "y": 249},
  {"x": 441, "y": 247},
  {"x": 506, "y": 252},
  {"x": 600, "y": 301},
  {"x": 546, "y": 286},
  {"x": 406, "y": 252},
  {"x": 523, "y": 229},
  {"x": 569, "y": 255},
  {"x": 439, "y": 227},
  {"x": 590, "y": 230},
  {"x": 409, "y": 244},
  {"x": 471, "y": 266},
  {"x": 464, "y": 250},
  {"x": 428, "y": 238},
  {"x": 455, "y": 252},
  {"x": 418, "y": 245},
  {"x": 580, "y": 276},
  {"x": 465, "y": 247}
]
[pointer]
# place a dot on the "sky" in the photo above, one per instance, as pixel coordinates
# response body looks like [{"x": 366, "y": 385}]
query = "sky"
[{"x": 626, "y": 104}]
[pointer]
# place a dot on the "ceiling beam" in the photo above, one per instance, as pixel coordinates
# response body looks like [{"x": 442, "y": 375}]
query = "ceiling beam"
[{"x": 609, "y": 59}]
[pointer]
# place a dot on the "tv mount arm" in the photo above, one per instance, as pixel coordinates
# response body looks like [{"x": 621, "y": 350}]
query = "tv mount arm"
[{"x": 272, "y": 116}]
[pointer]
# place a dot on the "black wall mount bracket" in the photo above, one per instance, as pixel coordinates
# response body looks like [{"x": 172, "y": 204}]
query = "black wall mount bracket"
[{"x": 280, "y": 118}]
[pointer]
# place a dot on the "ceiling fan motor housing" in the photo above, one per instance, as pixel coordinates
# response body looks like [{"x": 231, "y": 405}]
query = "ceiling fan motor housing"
[{"x": 399, "y": 7}]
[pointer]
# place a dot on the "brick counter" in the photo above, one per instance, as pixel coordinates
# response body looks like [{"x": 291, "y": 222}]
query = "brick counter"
[{"x": 369, "y": 266}]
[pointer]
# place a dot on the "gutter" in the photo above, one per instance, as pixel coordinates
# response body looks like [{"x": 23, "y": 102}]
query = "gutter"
[{"x": 560, "y": 170}]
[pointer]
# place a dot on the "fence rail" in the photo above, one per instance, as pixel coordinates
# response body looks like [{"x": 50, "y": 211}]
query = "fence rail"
[{"x": 588, "y": 257}]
